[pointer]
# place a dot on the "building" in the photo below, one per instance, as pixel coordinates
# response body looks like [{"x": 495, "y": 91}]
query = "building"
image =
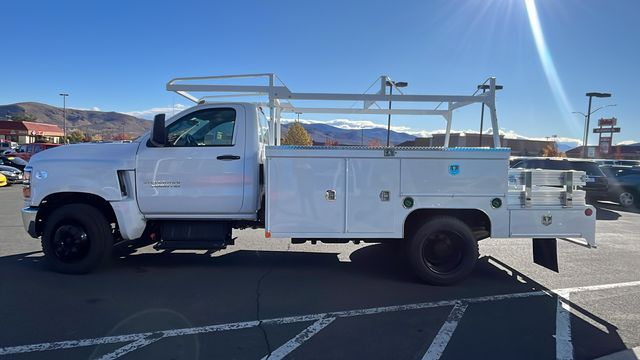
[
  {"x": 26, "y": 132},
  {"x": 618, "y": 152},
  {"x": 519, "y": 147}
]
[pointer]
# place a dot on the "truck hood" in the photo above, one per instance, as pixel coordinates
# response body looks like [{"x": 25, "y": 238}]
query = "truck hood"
[{"x": 108, "y": 155}]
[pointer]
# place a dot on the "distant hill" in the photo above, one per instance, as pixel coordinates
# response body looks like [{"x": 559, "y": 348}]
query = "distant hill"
[
  {"x": 94, "y": 122},
  {"x": 321, "y": 132}
]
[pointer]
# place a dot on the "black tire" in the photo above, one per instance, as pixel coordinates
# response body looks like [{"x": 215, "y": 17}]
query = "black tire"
[
  {"x": 628, "y": 198},
  {"x": 443, "y": 251},
  {"x": 76, "y": 239}
]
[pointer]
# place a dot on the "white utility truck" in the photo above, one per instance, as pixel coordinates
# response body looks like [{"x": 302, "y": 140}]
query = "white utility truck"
[{"x": 219, "y": 166}]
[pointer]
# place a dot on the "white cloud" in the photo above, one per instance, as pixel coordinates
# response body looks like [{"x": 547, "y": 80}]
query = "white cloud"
[
  {"x": 348, "y": 124},
  {"x": 150, "y": 113},
  {"x": 95, "y": 108}
]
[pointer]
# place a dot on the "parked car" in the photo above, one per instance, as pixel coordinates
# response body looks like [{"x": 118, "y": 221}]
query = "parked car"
[
  {"x": 7, "y": 145},
  {"x": 618, "y": 162},
  {"x": 27, "y": 150},
  {"x": 12, "y": 174},
  {"x": 597, "y": 183},
  {"x": 624, "y": 184},
  {"x": 3, "y": 181},
  {"x": 13, "y": 161}
]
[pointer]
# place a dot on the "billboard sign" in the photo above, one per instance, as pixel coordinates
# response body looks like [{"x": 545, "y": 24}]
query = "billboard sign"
[
  {"x": 608, "y": 122},
  {"x": 605, "y": 145},
  {"x": 606, "y": 130}
]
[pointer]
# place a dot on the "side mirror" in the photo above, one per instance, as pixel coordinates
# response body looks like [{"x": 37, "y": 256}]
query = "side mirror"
[{"x": 159, "y": 131}]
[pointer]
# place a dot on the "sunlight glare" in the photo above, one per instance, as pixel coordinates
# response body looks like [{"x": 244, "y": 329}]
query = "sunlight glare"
[{"x": 547, "y": 64}]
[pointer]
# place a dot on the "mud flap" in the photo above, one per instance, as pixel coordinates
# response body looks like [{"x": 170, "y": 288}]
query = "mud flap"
[{"x": 545, "y": 253}]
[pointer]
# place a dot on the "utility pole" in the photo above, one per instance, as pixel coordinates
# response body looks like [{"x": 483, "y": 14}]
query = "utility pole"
[
  {"x": 585, "y": 142},
  {"x": 64, "y": 117},
  {"x": 391, "y": 85}
]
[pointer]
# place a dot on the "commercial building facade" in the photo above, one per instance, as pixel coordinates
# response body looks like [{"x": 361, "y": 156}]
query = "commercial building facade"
[{"x": 26, "y": 132}]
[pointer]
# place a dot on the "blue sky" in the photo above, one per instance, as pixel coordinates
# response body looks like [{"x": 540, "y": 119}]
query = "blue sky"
[{"x": 117, "y": 55}]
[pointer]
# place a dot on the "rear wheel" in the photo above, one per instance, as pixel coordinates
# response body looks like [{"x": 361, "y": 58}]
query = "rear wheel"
[
  {"x": 443, "y": 251},
  {"x": 76, "y": 239},
  {"x": 627, "y": 198}
]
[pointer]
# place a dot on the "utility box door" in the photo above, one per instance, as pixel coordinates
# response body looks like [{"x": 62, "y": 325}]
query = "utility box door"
[
  {"x": 306, "y": 195},
  {"x": 373, "y": 195}
]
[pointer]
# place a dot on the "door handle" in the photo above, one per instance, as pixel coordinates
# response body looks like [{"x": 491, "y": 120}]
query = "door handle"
[{"x": 228, "y": 157}]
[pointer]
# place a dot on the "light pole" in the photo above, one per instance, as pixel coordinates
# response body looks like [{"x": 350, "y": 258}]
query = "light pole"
[
  {"x": 588, "y": 118},
  {"x": 64, "y": 117},
  {"x": 484, "y": 88},
  {"x": 391, "y": 85}
]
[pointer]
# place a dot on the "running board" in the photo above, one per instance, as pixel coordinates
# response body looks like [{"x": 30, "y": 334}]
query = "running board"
[{"x": 189, "y": 245}]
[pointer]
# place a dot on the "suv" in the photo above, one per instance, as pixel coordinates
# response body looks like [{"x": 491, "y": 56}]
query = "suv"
[
  {"x": 597, "y": 184},
  {"x": 624, "y": 184},
  {"x": 27, "y": 150}
]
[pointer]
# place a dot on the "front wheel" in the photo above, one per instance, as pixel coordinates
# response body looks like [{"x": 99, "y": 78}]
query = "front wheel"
[
  {"x": 76, "y": 239},
  {"x": 443, "y": 251}
]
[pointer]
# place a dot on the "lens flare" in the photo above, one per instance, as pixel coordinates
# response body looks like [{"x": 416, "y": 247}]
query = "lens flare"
[{"x": 548, "y": 66}]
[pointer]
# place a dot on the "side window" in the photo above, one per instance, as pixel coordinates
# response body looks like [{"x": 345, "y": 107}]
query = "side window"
[
  {"x": 208, "y": 127},
  {"x": 263, "y": 127}
]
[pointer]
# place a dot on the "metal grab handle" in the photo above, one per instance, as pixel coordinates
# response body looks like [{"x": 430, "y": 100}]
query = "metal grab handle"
[{"x": 228, "y": 157}]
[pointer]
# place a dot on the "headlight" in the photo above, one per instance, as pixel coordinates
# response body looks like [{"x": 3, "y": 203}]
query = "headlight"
[
  {"x": 26, "y": 180},
  {"x": 6, "y": 173}
]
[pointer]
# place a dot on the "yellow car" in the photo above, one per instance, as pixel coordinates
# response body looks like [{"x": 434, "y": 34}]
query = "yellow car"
[{"x": 3, "y": 180}]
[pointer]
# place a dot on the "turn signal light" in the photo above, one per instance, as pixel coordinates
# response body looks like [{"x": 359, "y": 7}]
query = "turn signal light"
[{"x": 267, "y": 234}]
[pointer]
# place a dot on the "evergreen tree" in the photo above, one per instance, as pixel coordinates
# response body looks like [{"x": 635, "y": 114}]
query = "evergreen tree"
[{"x": 297, "y": 135}]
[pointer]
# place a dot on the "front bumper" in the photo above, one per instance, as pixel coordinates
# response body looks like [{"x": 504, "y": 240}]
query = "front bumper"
[{"x": 29, "y": 220}]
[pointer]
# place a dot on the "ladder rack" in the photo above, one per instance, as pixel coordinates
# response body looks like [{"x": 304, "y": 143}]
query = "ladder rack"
[{"x": 280, "y": 99}]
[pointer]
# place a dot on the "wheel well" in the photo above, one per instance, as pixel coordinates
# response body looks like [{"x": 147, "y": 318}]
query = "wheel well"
[
  {"x": 476, "y": 219},
  {"x": 54, "y": 201}
]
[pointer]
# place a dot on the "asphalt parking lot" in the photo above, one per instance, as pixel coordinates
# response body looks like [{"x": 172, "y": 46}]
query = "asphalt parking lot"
[{"x": 267, "y": 298}]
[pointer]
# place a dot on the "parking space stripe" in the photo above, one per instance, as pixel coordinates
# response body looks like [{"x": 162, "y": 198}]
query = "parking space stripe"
[
  {"x": 303, "y": 336},
  {"x": 293, "y": 319},
  {"x": 441, "y": 340},
  {"x": 564, "y": 345},
  {"x": 129, "y": 348}
]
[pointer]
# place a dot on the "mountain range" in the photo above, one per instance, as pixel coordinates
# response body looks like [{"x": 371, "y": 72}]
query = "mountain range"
[
  {"x": 323, "y": 133},
  {"x": 88, "y": 121}
]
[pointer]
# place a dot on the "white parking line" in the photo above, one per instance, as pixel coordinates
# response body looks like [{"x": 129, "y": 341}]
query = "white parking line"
[
  {"x": 303, "y": 336},
  {"x": 564, "y": 345},
  {"x": 293, "y": 319},
  {"x": 441, "y": 340},
  {"x": 140, "y": 343}
]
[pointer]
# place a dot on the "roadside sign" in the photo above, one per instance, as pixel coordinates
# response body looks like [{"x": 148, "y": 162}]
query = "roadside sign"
[
  {"x": 591, "y": 152},
  {"x": 606, "y": 130},
  {"x": 605, "y": 145},
  {"x": 608, "y": 122}
]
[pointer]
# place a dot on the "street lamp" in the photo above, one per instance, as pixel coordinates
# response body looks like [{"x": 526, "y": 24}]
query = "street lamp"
[
  {"x": 484, "y": 88},
  {"x": 391, "y": 85},
  {"x": 64, "y": 117},
  {"x": 588, "y": 117}
]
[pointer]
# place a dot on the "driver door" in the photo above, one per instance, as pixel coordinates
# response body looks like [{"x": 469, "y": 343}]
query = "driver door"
[{"x": 200, "y": 171}]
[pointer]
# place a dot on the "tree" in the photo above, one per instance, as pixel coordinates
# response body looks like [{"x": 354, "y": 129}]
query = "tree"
[
  {"x": 550, "y": 151},
  {"x": 75, "y": 136},
  {"x": 297, "y": 135},
  {"x": 374, "y": 143},
  {"x": 330, "y": 142}
]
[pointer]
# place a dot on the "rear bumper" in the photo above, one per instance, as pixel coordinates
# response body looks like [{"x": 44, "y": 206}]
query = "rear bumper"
[{"x": 29, "y": 220}]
